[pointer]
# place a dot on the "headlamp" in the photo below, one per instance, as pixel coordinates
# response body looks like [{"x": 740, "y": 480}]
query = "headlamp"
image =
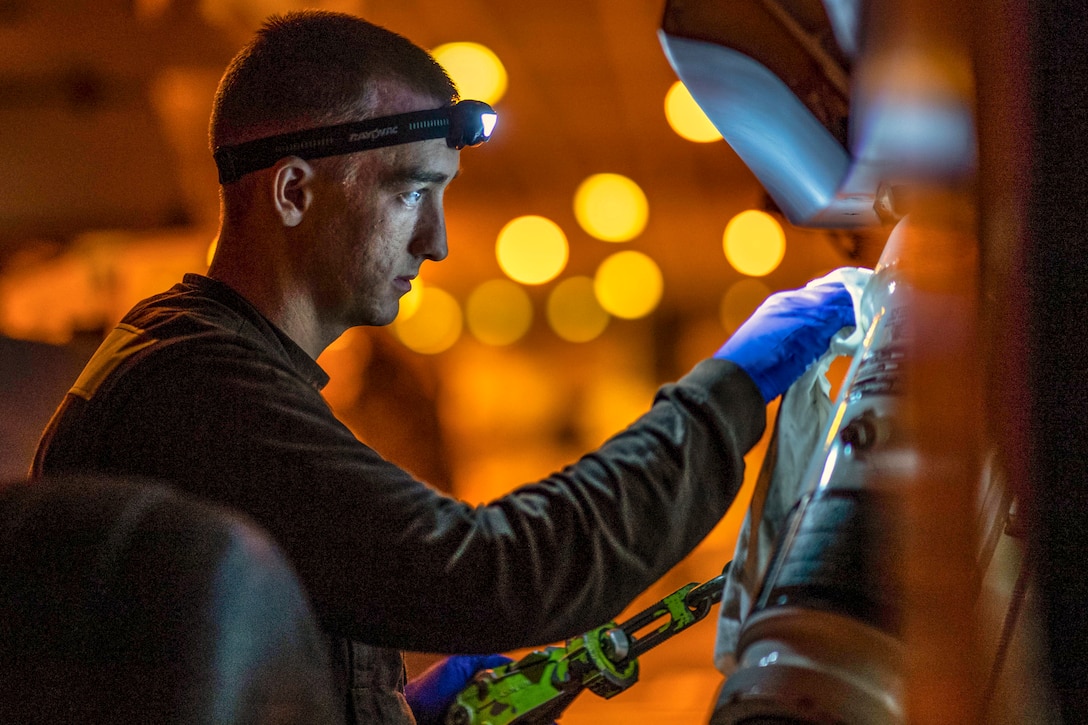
[{"x": 466, "y": 123}]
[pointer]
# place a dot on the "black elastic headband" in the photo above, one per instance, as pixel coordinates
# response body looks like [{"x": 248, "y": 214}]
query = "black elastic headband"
[{"x": 467, "y": 123}]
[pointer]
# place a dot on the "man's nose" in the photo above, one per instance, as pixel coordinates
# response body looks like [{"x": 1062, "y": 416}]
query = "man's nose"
[{"x": 429, "y": 240}]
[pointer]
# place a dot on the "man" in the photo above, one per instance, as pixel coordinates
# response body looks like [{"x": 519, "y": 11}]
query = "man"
[{"x": 213, "y": 385}]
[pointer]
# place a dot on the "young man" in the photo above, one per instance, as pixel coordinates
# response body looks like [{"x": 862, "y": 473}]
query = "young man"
[{"x": 213, "y": 385}]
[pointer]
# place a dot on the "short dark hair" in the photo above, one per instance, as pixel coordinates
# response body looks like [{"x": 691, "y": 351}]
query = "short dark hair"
[{"x": 314, "y": 67}]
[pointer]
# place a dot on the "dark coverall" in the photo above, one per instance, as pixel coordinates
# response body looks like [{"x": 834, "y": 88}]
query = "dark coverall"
[{"x": 196, "y": 388}]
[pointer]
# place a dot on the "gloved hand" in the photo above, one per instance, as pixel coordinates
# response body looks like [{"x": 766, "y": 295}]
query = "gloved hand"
[
  {"x": 432, "y": 692},
  {"x": 787, "y": 333}
]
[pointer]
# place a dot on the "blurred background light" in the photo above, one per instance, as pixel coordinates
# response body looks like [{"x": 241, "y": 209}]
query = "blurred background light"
[
  {"x": 477, "y": 71},
  {"x": 740, "y": 301},
  {"x": 628, "y": 284},
  {"x": 532, "y": 249},
  {"x": 686, "y": 118},
  {"x": 611, "y": 207},
  {"x": 573, "y": 311},
  {"x": 498, "y": 312},
  {"x": 754, "y": 243},
  {"x": 410, "y": 301},
  {"x": 435, "y": 326}
]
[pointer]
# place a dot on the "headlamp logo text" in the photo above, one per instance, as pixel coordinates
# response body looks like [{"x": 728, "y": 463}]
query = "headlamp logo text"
[{"x": 373, "y": 133}]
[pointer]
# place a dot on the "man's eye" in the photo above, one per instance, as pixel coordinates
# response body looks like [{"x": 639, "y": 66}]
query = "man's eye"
[{"x": 411, "y": 198}]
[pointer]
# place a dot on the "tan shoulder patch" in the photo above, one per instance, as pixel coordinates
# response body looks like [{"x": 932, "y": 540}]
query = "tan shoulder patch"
[{"x": 122, "y": 343}]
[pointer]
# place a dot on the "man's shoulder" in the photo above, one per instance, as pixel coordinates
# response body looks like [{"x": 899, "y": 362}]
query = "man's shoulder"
[
  {"x": 176, "y": 335},
  {"x": 208, "y": 317},
  {"x": 187, "y": 309}
]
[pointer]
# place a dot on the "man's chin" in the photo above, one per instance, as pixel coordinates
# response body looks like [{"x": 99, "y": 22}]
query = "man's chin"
[
  {"x": 375, "y": 318},
  {"x": 381, "y": 319}
]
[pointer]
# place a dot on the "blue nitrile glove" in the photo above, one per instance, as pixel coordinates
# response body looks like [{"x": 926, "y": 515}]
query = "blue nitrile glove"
[
  {"x": 431, "y": 694},
  {"x": 787, "y": 333}
]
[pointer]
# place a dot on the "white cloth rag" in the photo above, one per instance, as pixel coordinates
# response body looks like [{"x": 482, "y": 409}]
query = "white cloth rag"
[{"x": 802, "y": 417}]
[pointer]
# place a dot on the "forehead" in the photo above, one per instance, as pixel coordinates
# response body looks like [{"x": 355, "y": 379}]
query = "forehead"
[{"x": 430, "y": 161}]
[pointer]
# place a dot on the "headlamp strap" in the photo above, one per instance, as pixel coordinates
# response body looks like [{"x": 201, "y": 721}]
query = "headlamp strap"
[{"x": 236, "y": 161}]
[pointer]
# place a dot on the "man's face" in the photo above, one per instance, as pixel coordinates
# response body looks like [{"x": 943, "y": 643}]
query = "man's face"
[{"x": 378, "y": 221}]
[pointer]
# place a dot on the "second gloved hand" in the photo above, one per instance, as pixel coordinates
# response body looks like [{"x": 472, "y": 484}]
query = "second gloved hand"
[
  {"x": 787, "y": 333},
  {"x": 431, "y": 693}
]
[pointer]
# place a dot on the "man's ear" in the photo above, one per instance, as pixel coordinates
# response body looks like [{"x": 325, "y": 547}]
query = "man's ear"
[{"x": 291, "y": 190}]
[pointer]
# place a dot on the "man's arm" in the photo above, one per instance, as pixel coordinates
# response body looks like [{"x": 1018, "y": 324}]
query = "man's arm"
[{"x": 392, "y": 562}]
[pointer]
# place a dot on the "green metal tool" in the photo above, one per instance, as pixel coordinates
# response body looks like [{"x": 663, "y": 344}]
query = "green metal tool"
[{"x": 536, "y": 689}]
